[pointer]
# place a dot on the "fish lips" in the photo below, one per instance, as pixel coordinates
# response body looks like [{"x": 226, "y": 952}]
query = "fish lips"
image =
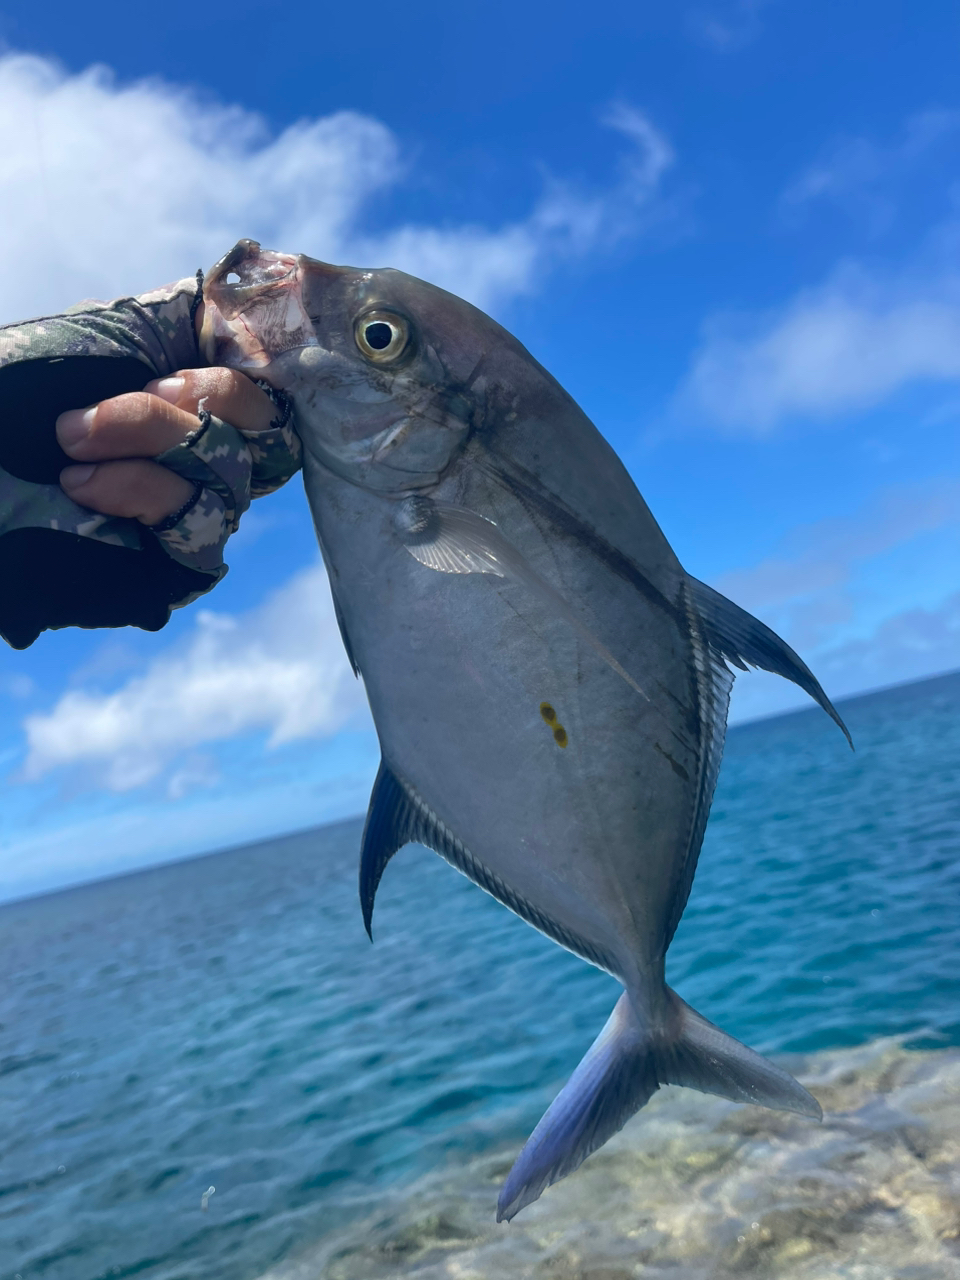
[{"x": 259, "y": 304}]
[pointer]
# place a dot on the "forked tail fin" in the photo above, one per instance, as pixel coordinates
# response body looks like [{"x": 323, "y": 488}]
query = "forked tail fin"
[{"x": 623, "y": 1068}]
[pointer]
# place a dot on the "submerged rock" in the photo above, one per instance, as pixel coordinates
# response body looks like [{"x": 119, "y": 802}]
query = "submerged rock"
[{"x": 697, "y": 1188}]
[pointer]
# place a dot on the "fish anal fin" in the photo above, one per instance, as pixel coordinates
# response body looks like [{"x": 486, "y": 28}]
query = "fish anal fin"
[
  {"x": 747, "y": 642},
  {"x": 391, "y": 823},
  {"x": 398, "y": 815},
  {"x": 621, "y": 1071}
]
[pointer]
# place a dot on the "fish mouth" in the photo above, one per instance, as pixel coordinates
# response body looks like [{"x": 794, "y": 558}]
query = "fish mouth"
[{"x": 254, "y": 307}]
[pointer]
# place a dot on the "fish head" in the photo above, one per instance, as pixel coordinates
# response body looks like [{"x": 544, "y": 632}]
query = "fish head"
[{"x": 386, "y": 372}]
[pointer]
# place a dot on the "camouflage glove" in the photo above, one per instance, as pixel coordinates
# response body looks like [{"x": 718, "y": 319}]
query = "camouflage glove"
[{"x": 64, "y": 565}]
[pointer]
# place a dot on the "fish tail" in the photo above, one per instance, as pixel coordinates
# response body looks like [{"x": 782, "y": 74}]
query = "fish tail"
[{"x": 624, "y": 1067}]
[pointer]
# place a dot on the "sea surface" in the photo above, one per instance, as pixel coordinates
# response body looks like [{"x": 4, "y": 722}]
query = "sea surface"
[{"x": 208, "y": 1073}]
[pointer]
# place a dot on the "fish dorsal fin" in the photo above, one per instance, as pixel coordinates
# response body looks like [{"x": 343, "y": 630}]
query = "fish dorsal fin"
[
  {"x": 720, "y": 629},
  {"x": 714, "y": 680},
  {"x": 744, "y": 640},
  {"x": 452, "y": 539},
  {"x": 399, "y": 816}
]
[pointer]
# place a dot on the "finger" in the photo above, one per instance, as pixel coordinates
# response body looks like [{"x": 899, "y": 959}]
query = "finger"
[
  {"x": 142, "y": 424},
  {"x": 225, "y": 393},
  {"x": 136, "y": 425},
  {"x": 137, "y": 489}
]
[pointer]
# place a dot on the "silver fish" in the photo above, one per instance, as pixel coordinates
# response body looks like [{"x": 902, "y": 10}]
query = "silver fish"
[{"x": 549, "y": 686}]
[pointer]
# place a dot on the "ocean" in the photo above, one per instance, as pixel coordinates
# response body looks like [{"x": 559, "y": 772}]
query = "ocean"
[{"x": 208, "y": 1073}]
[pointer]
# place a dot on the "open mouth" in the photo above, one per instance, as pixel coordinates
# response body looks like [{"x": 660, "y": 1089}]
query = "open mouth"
[{"x": 253, "y": 307}]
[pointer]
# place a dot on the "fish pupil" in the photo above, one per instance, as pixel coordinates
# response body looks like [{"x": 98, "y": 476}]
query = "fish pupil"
[{"x": 378, "y": 335}]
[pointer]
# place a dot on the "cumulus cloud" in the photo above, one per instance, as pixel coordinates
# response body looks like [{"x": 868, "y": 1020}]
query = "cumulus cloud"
[
  {"x": 860, "y": 335},
  {"x": 843, "y": 346},
  {"x": 111, "y": 188},
  {"x": 279, "y": 669}
]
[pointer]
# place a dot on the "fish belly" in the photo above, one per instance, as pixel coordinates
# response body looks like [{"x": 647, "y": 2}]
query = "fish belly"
[{"x": 572, "y": 789}]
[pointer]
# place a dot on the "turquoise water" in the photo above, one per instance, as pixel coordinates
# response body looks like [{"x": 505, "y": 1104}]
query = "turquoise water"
[{"x": 224, "y": 1022}]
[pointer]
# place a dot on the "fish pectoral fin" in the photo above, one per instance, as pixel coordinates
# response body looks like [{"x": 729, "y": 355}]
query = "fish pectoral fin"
[
  {"x": 454, "y": 540},
  {"x": 746, "y": 642},
  {"x": 451, "y": 539},
  {"x": 624, "y": 1067}
]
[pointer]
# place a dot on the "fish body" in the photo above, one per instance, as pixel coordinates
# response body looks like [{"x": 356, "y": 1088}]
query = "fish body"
[{"x": 549, "y": 686}]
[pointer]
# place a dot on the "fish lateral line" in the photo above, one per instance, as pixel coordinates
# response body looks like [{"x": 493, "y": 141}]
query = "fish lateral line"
[
  {"x": 451, "y": 539},
  {"x": 527, "y": 489}
]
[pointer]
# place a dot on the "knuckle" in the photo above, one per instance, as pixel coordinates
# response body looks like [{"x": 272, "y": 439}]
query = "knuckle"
[
  {"x": 144, "y": 488},
  {"x": 132, "y": 409},
  {"x": 217, "y": 384}
]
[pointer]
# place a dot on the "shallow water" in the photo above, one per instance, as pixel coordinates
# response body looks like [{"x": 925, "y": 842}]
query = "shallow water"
[
  {"x": 699, "y": 1188},
  {"x": 225, "y": 1023}
]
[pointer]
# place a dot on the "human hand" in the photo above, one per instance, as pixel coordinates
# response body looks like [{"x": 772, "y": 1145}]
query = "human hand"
[
  {"x": 116, "y": 440},
  {"x": 157, "y": 484}
]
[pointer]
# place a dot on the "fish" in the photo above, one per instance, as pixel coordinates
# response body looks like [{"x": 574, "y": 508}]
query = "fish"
[{"x": 549, "y": 686}]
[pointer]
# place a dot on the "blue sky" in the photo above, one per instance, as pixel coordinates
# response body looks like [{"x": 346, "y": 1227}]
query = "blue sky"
[{"x": 730, "y": 229}]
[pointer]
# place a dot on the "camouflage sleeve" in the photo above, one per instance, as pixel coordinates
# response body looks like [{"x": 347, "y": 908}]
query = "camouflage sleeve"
[
  {"x": 63, "y": 565},
  {"x": 228, "y": 467}
]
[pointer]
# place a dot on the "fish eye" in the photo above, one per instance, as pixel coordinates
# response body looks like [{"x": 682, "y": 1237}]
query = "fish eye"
[{"x": 382, "y": 336}]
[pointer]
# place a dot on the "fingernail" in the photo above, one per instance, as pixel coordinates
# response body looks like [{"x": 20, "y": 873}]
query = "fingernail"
[
  {"x": 74, "y": 477},
  {"x": 167, "y": 388},
  {"x": 74, "y": 425}
]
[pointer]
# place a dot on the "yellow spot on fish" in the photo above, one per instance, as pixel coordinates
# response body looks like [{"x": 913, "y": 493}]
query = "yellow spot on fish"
[{"x": 550, "y": 718}]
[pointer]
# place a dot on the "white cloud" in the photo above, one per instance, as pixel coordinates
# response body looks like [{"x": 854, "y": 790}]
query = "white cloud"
[
  {"x": 110, "y": 188},
  {"x": 818, "y": 594},
  {"x": 729, "y": 27},
  {"x": 863, "y": 177},
  {"x": 861, "y": 335},
  {"x": 844, "y": 346},
  {"x": 823, "y": 554},
  {"x": 909, "y": 645},
  {"x": 279, "y": 669},
  {"x": 913, "y": 643},
  {"x": 72, "y": 845},
  {"x": 486, "y": 266}
]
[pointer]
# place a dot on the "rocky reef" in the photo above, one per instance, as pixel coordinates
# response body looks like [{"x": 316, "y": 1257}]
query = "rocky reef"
[{"x": 696, "y": 1188}]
